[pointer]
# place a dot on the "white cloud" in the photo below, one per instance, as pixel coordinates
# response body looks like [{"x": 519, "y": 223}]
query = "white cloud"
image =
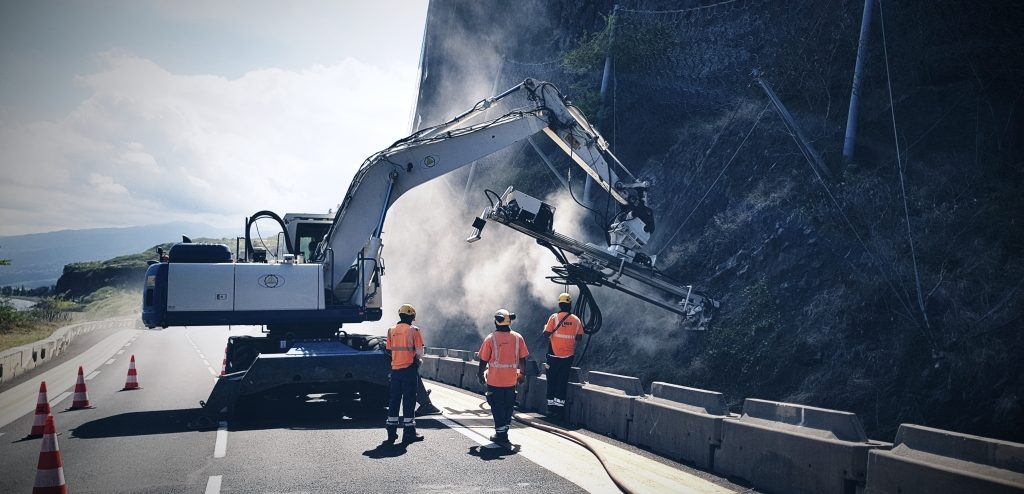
[
  {"x": 106, "y": 185},
  {"x": 149, "y": 145}
]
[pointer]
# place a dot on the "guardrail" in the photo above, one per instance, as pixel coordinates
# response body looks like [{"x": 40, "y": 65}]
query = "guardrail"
[
  {"x": 773, "y": 446},
  {"x": 20, "y": 359}
]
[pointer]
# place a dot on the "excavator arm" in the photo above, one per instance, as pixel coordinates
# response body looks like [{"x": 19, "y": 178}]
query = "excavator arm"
[{"x": 353, "y": 241}]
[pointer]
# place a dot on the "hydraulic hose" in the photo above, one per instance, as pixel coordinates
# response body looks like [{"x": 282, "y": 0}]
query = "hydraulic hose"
[{"x": 587, "y": 308}]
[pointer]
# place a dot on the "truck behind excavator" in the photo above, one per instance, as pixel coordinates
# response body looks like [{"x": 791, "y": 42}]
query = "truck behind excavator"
[{"x": 331, "y": 268}]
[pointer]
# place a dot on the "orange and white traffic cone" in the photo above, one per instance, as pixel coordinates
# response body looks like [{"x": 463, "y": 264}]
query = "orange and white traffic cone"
[
  {"x": 224, "y": 364},
  {"x": 133, "y": 377},
  {"x": 42, "y": 411},
  {"x": 81, "y": 397},
  {"x": 50, "y": 469}
]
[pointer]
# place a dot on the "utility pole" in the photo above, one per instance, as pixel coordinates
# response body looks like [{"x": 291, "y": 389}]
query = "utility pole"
[
  {"x": 858, "y": 69},
  {"x": 606, "y": 81}
]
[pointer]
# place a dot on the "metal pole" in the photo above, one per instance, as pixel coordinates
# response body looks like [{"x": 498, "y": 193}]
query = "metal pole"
[
  {"x": 798, "y": 135},
  {"x": 472, "y": 166},
  {"x": 609, "y": 67},
  {"x": 858, "y": 69}
]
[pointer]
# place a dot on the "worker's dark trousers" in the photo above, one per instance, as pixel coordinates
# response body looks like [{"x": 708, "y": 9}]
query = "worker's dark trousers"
[
  {"x": 402, "y": 391},
  {"x": 502, "y": 402},
  {"x": 558, "y": 376}
]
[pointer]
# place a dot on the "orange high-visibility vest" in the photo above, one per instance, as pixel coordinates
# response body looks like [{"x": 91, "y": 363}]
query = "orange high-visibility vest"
[
  {"x": 502, "y": 351},
  {"x": 563, "y": 338},
  {"x": 403, "y": 341}
]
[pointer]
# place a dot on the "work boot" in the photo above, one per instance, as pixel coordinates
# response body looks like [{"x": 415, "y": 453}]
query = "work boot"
[
  {"x": 500, "y": 437},
  {"x": 392, "y": 433},
  {"x": 409, "y": 435},
  {"x": 427, "y": 409}
]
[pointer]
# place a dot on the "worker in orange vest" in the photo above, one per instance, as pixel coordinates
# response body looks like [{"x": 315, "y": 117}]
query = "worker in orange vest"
[
  {"x": 563, "y": 330},
  {"x": 503, "y": 356},
  {"x": 406, "y": 347}
]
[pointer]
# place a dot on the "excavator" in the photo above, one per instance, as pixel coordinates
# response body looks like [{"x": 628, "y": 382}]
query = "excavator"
[{"x": 331, "y": 269}]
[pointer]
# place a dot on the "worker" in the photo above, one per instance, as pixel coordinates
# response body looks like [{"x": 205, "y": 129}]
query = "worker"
[
  {"x": 562, "y": 330},
  {"x": 405, "y": 344},
  {"x": 503, "y": 356}
]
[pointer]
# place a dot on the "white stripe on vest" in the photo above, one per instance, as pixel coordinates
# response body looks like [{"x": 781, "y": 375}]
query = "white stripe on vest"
[{"x": 494, "y": 347}]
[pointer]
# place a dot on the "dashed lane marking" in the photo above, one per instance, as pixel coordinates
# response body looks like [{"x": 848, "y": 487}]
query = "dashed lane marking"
[
  {"x": 119, "y": 352},
  {"x": 110, "y": 361},
  {"x": 206, "y": 362},
  {"x": 92, "y": 375},
  {"x": 213, "y": 485},
  {"x": 221, "y": 448},
  {"x": 212, "y": 373},
  {"x": 60, "y": 397}
]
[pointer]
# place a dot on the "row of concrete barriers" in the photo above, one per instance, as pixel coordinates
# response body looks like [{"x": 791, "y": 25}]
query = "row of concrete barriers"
[
  {"x": 776, "y": 447},
  {"x": 18, "y": 360}
]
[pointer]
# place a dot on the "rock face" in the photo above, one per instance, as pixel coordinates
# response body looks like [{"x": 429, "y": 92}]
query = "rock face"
[
  {"x": 892, "y": 289},
  {"x": 79, "y": 280}
]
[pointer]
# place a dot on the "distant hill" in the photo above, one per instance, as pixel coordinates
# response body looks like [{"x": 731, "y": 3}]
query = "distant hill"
[{"x": 38, "y": 259}]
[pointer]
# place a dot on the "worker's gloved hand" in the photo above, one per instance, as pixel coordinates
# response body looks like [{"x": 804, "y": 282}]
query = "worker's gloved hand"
[{"x": 480, "y": 378}]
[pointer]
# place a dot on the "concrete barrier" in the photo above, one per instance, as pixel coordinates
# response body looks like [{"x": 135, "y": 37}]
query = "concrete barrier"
[
  {"x": 449, "y": 371},
  {"x": 16, "y": 361},
  {"x": 428, "y": 367},
  {"x": 438, "y": 352},
  {"x": 535, "y": 397},
  {"x": 937, "y": 461},
  {"x": 460, "y": 354},
  {"x": 784, "y": 447},
  {"x": 470, "y": 380},
  {"x": 679, "y": 422},
  {"x": 605, "y": 403}
]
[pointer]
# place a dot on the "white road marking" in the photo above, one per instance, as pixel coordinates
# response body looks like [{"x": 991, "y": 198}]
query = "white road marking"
[
  {"x": 21, "y": 399},
  {"x": 128, "y": 345},
  {"x": 119, "y": 352},
  {"x": 92, "y": 375},
  {"x": 212, "y": 372},
  {"x": 213, "y": 485},
  {"x": 474, "y": 435},
  {"x": 110, "y": 361},
  {"x": 221, "y": 448},
  {"x": 60, "y": 398},
  {"x": 2, "y": 433},
  {"x": 206, "y": 362}
]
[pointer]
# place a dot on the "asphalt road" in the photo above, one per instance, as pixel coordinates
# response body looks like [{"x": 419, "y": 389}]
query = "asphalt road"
[{"x": 140, "y": 441}]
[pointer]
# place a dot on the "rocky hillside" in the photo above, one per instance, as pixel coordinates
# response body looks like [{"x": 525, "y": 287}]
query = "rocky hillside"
[{"x": 889, "y": 286}]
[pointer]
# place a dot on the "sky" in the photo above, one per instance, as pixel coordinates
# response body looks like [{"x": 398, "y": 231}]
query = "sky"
[{"x": 120, "y": 113}]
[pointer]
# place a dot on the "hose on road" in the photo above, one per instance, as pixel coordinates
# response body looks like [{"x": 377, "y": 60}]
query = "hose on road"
[{"x": 580, "y": 440}]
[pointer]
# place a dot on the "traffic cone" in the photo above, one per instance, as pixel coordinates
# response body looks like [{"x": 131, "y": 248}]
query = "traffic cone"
[
  {"x": 50, "y": 469},
  {"x": 133, "y": 377},
  {"x": 224, "y": 364},
  {"x": 42, "y": 411},
  {"x": 81, "y": 397}
]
